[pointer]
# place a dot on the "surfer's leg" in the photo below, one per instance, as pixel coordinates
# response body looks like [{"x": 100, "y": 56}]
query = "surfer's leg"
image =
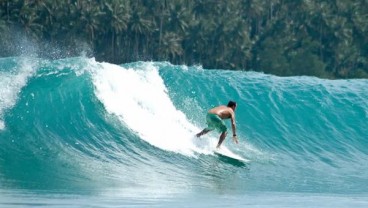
[
  {"x": 204, "y": 131},
  {"x": 222, "y": 137}
]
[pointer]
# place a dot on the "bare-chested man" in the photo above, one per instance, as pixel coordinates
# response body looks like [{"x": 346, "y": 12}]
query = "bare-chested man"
[{"x": 215, "y": 117}]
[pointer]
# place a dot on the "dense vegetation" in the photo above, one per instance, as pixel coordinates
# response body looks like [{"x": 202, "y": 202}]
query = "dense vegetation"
[{"x": 326, "y": 38}]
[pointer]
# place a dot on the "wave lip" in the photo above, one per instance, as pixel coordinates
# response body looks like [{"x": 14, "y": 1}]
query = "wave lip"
[{"x": 14, "y": 75}]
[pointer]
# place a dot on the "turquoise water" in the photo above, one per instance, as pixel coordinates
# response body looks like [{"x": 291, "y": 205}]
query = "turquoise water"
[{"x": 79, "y": 133}]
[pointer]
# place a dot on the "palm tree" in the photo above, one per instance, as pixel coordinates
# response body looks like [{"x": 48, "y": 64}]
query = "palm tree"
[
  {"x": 180, "y": 21},
  {"x": 253, "y": 12},
  {"x": 159, "y": 11},
  {"x": 4, "y": 36},
  {"x": 117, "y": 17},
  {"x": 140, "y": 27},
  {"x": 171, "y": 46},
  {"x": 30, "y": 22}
]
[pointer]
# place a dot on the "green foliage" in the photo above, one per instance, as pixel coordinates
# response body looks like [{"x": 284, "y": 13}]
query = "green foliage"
[
  {"x": 272, "y": 58},
  {"x": 290, "y": 37}
]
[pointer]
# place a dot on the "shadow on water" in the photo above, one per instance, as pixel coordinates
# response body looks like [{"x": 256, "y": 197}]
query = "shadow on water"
[{"x": 231, "y": 161}]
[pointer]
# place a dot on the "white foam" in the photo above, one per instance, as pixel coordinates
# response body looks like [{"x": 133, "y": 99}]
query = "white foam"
[
  {"x": 2, "y": 125},
  {"x": 11, "y": 82},
  {"x": 141, "y": 101}
]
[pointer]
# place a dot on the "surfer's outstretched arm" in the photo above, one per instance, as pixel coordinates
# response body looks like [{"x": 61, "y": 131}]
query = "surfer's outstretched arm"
[{"x": 233, "y": 126}]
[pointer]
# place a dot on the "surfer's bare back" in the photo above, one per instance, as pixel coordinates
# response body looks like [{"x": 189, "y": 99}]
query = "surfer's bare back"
[{"x": 215, "y": 117}]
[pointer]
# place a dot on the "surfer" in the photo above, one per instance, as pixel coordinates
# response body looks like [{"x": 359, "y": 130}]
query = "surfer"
[{"x": 215, "y": 117}]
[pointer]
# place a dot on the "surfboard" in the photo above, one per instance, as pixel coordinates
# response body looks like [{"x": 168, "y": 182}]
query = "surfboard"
[{"x": 227, "y": 154}]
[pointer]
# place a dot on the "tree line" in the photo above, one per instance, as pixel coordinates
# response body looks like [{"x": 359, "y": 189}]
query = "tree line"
[{"x": 326, "y": 38}]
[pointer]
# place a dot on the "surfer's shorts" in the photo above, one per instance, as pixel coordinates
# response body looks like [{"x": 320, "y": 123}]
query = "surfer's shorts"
[{"x": 215, "y": 122}]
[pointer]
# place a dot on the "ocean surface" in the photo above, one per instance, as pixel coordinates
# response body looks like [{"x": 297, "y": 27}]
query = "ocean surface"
[{"x": 80, "y": 133}]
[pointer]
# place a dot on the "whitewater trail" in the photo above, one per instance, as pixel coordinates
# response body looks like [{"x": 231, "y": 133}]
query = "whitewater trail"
[{"x": 140, "y": 99}]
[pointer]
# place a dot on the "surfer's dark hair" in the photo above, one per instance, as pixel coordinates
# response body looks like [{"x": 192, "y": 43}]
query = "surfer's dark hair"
[{"x": 231, "y": 103}]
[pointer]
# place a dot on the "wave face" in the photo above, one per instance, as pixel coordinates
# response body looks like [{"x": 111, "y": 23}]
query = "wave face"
[{"x": 76, "y": 124}]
